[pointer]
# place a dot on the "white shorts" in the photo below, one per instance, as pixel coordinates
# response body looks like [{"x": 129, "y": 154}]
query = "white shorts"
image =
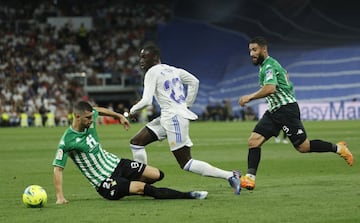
[{"x": 175, "y": 129}]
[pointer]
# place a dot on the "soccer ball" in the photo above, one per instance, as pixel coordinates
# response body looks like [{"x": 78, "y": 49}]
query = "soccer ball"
[{"x": 34, "y": 196}]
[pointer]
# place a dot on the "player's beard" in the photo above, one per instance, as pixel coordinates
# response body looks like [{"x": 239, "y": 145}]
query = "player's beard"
[
  {"x": 259, "y": 60},
  {"x": 86, "y": 125}
]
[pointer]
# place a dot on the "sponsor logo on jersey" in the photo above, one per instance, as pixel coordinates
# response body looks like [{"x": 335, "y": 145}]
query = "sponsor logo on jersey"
[
  {"x": 59, "y": 154},
  {"x": 269, "y": 75}
]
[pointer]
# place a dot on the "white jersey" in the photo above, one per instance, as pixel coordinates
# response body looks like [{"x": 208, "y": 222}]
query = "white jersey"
[{"x": 166, "y": 84}]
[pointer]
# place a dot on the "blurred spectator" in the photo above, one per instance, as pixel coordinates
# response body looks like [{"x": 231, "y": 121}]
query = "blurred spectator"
[
  {"x": 24, "y": 120},
  {"x": 61, "y": 115},
  {"x": 250, "y": 114},
  {"x": 50, "y": 119},
  {"x": 35, "y": 57},
  {"x": 37, "y": 119},
  {"x": 83, "y": 40},
  {"x": 218, "y": 111},
  {"x": 208, "y": 112},
  {"x": 110, "y": 106},
  {"x": 14, "y": 119},
  {"x": 5, "y": 118},
  {"x": 228, "y": 112},
  {"x": 120, "y": 108}
]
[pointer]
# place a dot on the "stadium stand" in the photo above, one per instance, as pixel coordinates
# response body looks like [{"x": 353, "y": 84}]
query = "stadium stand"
[
  {"x": 224, "y": 67},
  {"x": 320, "y": 52},
  {"x": 310, "y": 22},
  {"x": 42, "y": 67}
]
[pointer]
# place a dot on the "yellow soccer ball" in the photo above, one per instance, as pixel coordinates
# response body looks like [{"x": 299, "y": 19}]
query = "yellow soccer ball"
[{"x": 34, "y": 196}]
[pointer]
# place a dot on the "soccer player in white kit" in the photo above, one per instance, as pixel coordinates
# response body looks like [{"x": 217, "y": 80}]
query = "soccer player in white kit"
[{"x": 166, "y": 84}]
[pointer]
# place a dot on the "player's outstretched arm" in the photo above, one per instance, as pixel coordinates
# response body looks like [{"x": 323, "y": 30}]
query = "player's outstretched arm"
[
  {"x": 58, "y": 180},
  {"x": 106, "y": 112}
]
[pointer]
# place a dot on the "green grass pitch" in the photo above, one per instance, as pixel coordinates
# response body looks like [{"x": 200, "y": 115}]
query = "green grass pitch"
[{"x": 290, "y": 186}]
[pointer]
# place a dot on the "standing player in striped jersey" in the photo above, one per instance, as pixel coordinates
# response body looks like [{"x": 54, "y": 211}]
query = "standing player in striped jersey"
[
  {"x": 166, "y": 84},
  {"x": 283, "y": 113},
  {"x": 111, "y": 176}
]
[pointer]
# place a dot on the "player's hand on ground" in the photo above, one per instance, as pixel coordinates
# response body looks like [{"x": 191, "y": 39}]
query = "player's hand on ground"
[{"x": 61, "y": 201}]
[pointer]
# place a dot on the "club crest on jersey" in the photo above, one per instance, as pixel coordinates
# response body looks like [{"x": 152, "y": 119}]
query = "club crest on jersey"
[{"x": 268, "y": 75}]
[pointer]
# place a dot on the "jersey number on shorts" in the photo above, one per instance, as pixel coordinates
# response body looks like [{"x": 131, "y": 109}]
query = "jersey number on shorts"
[{"x": 177, "y": 89}]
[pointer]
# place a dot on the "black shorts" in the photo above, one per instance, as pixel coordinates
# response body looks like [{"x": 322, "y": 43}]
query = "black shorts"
[
  {"x": 287, "y": 118},
  {"x": 117, "y": 186}
]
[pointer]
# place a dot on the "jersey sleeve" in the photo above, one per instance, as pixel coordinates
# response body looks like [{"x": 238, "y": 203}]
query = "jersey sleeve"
[
  {"x": 148, "y": 92},
  {"x": 193, "y": 86},
  {"x": 61, "y": 155},
  {"x": 269, "y": 74}
]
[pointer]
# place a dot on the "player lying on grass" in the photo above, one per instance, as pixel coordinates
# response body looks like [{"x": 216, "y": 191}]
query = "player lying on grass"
[{"x": 111, "y": 176}]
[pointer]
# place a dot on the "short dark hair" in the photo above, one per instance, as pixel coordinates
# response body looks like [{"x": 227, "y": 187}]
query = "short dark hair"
[
  {"x": 82, "y": 106},
  {"x": 152, "y": 48},
  {"x": 261, "y": 41}
]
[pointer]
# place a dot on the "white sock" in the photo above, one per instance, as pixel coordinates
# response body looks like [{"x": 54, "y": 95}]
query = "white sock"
[
  {"x": 338, "y": 149},
  {"x": 251, "y": 176},
  {"x": 205, "y": 169},
  {"x": 139, "y": 153}
]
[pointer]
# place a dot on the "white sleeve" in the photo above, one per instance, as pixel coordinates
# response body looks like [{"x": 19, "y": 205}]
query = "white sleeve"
[
  {"x": 193, "y": 86},
  {"x": 148, "y": 93}
]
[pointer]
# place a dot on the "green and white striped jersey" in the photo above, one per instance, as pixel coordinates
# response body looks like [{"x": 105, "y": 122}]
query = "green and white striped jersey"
[
  {"x": 271, "y": 72},
  {"x": 84, "y": 149}
]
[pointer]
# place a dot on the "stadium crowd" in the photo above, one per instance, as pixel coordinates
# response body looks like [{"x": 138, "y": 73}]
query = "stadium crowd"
[
  {"x": 36, "y": 57},
  {"x": 222, "y": 111}
]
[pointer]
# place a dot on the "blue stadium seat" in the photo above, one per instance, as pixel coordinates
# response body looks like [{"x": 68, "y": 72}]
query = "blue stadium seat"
[{"x": 220, "y": 60}]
